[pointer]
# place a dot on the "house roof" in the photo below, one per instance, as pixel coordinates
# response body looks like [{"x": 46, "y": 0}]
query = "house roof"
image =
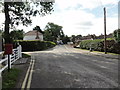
[{"x": 34, "y": 32}]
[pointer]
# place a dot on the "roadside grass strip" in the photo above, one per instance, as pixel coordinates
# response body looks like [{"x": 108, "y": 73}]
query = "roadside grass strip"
[{"x": 10, "y": 78}]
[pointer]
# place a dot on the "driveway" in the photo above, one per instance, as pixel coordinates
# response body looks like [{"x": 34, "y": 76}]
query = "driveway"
[{"x": 66, "y": 67}]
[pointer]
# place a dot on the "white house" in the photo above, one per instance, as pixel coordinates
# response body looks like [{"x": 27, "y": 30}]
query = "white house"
[{"x": 33, "y": 35}]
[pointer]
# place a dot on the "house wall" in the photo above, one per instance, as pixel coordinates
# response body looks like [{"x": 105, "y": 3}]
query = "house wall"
[{"x": 32, "y": 37}]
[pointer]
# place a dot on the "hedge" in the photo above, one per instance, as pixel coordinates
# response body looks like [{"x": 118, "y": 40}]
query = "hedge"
[
  {"x": 34, "y": 45},
  {"x": 98, "y": 45}
]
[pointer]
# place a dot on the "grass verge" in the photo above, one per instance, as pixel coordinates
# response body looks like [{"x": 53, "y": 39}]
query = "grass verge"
[
  {"x": 100, "y": 52},
  {"x": 10, "y": 78},
  {"x": 25, "y": 55}
]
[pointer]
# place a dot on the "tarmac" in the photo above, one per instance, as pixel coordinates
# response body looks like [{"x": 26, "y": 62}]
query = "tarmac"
[{"x": 23, "y": 63}]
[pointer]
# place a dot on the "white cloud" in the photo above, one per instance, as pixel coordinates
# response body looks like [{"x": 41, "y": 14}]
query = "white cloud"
[
  {"x": 75, "y": 20},
  {"x": 89, "y": 4}
]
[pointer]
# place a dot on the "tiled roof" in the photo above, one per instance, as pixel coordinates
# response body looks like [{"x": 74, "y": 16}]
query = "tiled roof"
[{"x": 34, "y": 32}]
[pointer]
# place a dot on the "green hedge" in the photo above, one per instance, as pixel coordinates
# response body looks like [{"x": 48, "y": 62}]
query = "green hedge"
[
  {"x": 98, "y": 45},
  {"x": 34, "y": 45}
]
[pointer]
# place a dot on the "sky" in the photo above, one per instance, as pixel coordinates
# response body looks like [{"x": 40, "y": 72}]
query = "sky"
[{"x": 79, "y": 17}]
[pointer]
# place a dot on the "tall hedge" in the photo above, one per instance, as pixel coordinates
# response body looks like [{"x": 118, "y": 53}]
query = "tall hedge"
[
  {"x": 116, "y": 35},
  {"x": 35, "y": 45},
  {"x": 98, "y": 45}
]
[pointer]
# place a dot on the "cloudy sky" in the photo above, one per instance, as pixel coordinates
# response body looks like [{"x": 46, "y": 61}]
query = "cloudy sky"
[{"x": 80, "y": 17}]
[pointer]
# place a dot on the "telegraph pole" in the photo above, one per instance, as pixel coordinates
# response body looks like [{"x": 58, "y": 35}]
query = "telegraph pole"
[{"x": 105, "y": 45}]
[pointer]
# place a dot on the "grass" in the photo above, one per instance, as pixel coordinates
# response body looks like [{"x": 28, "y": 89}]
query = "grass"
[
  {"x": 10, "y": 78},
  {"x": 25, "y": 55},
  {"x": 100, "y": 52},
  {"x": 107, "y": 53},
  {"x": 84, "y": 49}
]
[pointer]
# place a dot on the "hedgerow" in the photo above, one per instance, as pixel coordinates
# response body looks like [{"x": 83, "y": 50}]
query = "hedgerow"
[
  {"x": 98, "y": 45},
  {"x": 34, "y": 45}
]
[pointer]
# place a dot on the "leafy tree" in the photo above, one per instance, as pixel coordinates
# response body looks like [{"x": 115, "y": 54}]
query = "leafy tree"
[
  {"x": 17, "y": 34},
  {"x": 66, "y": 39},
  {"x": 73, "y": 38},
  {"x": 38, "y": 29},
  {"x": 52, "y": 32},
  {"x": 20, "y": 12},
  {"x": 116, "y": 35}
]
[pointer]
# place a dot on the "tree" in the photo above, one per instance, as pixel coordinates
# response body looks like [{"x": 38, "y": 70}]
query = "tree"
[
  {"x": 20, "y": 12},
  {"x": 116, "y": 35},
  {"x": 17, "y": 34},
  {"x": 66, "y": 39},
  {"x": 52, "y": 32},
  {"x": 38, "y": 29},
  {"x": 73, "y": 38}
]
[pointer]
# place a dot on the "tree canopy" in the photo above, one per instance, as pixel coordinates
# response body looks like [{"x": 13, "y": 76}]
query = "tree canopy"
[
  {"x": 17, "y": 34},
  {"x": 38, "y": 29},
  {"x": 20, "y": 13},
  {"x": 52, "y": 32}
]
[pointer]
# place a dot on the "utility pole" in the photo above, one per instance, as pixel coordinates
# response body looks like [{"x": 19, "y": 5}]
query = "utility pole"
[
  {"x": 0, "y": 42},
  {"x": 105, "y": 45}
]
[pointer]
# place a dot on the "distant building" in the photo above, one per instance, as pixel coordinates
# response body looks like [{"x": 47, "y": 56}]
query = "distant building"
[
  {"x": 107, "y": 36},
  {"x": 92, "y": 37},
  {"x": 33, "y": 35}
]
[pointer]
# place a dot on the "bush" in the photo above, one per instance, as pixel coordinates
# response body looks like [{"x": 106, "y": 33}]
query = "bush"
[
  {"x": 98, "y": 45},
  {"x": 35, "y": 45},
  {"x": 116, "y": 35}
]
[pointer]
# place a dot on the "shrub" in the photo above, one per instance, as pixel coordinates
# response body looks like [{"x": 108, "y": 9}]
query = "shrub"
[
  {"x": 116, "y": 35},
  {"x": 35, "y": 45},
  {"x": 98, "y": 45}
]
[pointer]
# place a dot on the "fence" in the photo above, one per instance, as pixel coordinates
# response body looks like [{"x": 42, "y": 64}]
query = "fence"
[{"x": 17, "y": 53}]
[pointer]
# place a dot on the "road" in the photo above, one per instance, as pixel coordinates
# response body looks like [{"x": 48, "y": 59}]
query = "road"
[{"x": 66, "y": 67}]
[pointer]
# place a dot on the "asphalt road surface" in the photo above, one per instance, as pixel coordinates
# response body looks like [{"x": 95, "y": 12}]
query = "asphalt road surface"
[{"x": 66, "y": 67}]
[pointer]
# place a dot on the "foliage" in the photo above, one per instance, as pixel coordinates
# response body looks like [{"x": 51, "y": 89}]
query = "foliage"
[
  {"x": 17, "y": 34},
  {"x": 116, "y": 35},
  {"x": 24, "y": 55},
  {"x": 98, "y": 45},
  {"x": 35, "y": 45},
  {"x": 65, "y": 39},
  {"x": 38, "y": 29},
  {"x": 52, "y": 32},
  {"x": 10, "y": 79},
  {"x": 20, "y": 12},
  {"x": 73, "y": 38}
]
